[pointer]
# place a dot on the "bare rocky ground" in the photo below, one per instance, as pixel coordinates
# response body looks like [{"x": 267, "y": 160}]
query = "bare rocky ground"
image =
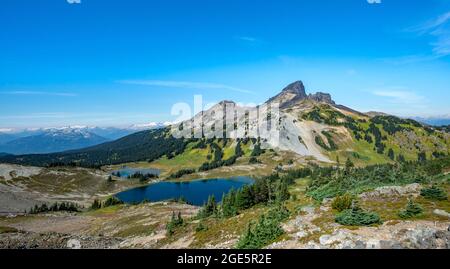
[
  {"x": 141, "y": 226},
  {"x": 22, "y": 187},
  {"x": 305, "y": 234},
  {"x": 311, "y": 226},
  {"x": 314, "y": 227}
]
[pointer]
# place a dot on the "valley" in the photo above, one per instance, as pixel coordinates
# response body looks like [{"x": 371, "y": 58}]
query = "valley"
[{"x": 333, "y": 178}]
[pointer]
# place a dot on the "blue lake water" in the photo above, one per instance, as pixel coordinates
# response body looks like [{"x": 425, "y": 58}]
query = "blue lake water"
[
  {"x": 195, "y": 192},
  {"x": 128, "y": 171}
]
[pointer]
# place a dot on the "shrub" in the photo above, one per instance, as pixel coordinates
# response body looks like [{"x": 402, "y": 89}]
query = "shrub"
[
  {"x": 55, "y": 207},
  {"x": 112, "y": 201},
  {"x": 357, "y": 217},
  {"x": 412, "y": 210},
  {"x": 434, "y": 193},
  {"x": 182, "y": 172},
  {"x": 175, "y": 222},
  {"x": 265, "y": 231},
  {"x": 209, "y": 208},
  {"x": 341, "y": 203},
  {"x": 201, "y": 227},
  {"x": 96, "y": 205},
  {"x": 254, "y": 160}
]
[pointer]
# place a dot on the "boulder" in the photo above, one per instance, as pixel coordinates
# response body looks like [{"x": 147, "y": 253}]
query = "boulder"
[{"x": 441, "y": 213}]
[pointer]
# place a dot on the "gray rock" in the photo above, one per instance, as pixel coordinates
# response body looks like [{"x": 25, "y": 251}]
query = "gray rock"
[
  {"x": 426, "y": 238},
  {"x": 322, "y": 98},
  {"x": 360, "y": 244},
  {"x": 441, "y": 213},
  {"x": 373, "y": 244},
  {"x": 389, "y": 244},
  {"x": 392, "y": 191}
]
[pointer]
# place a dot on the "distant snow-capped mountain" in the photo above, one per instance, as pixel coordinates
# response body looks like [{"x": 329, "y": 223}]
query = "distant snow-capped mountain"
[
  {"x": 434, "y": 121},
  {"x": 56, "y": 139},
  {"x": 53, "y": 141}
]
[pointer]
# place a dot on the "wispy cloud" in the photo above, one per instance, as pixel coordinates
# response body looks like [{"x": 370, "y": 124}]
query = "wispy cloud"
[
  {"x": 437, "y": 28},
  {"x": 186, "y": 85},
  {"x": 400, "y": 95},
  {"x": 431, "y": 25},
  {"x": 249, "y": 40},
  {"x": 63, "y": 94}
]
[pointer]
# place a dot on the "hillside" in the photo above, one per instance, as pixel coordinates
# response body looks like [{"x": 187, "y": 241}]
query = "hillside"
[
  {"x": 52, "y": 141},
  {"x": 4, "y": 138},
  {"x": 139, "y": 146},
  {"x": 312, "y": 127},
  {"x": 334, "y": 178}
]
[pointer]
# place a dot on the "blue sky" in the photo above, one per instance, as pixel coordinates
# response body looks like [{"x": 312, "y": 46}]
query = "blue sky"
[{"x": 121, "y": 62}]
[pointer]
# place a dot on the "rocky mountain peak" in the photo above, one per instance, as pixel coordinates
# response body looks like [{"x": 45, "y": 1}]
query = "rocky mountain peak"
[
  {"x": 322, "y": 98},
  {"x": 296, "y": 88},
  {"x": 292, "y": 94},
  {"x": 295, "y": 93}
]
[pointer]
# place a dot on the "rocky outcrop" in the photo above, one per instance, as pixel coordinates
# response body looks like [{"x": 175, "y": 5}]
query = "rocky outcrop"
[
  {"x": 441, "y": 213},
  {"x": 402, "y": 235},
  {"x": 322, "y": 98},
  {"x": 28, "y": 240},
  {"x": 392, "y": 191},
  {"x": 417, "y": 238},
  {"x": 295, "y": 93},
  {"x": 292, "y": 94}
]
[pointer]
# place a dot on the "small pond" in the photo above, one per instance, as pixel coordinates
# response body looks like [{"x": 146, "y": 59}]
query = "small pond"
[{"x": 126, "y": 172}]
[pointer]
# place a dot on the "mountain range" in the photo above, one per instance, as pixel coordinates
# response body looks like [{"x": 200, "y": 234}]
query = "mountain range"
[
  {"x": 311, "y": 126},
  {"x": 48, "y": 140}
]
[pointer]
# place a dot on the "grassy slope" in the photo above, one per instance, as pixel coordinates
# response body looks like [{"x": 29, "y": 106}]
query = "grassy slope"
[{"x": 365, "y": 153}]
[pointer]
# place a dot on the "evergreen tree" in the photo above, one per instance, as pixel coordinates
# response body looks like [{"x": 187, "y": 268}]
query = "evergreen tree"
[
  {"x": 401, "y": 158},
  {"x": 228, "y": 206},
  {"x": 422, "y": 156},
  {"x": 210, "y": 208},
  {"x": 238, "y": 150},
  {"x": 282, "y": 193},
  {"x": 261, "y": 191},
  {"x": 391, "y": 154},
  {"x": 349, "y": 165},
  {"x": 244, "y": 198},
  {"x": 175, "y": 222},
  {"x": 96, "y": 205}
]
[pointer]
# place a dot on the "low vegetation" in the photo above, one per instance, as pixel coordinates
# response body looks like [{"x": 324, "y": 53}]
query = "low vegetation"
[
  {"x": 412, "y": 210},
  {"x": 111, "y": 201},
  {"x": 265, "y": 231},
  {"x": 329, "y": 182},
  {"x": 175, "y": 222},
  {"x": 341, "y": 203},
  {"x": 142, "y": 177},
  {"x": 356, "y": 216},
  {"x": 55, "y": 207},
  {"x": 434, "y": 193}
]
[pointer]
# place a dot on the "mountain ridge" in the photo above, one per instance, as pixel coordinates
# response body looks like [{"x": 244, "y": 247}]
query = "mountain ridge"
[
  {"x": 52, "y": 141},
  {"x": 311, "y": 126}
]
